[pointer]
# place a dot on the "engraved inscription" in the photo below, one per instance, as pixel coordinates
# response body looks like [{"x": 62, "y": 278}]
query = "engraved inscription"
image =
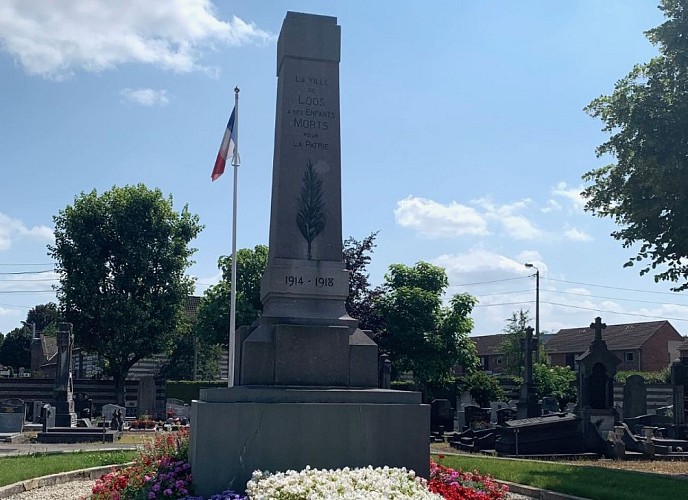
[
  {"x": 311, "y": 114},
  {"x": 318, "y": 282}
]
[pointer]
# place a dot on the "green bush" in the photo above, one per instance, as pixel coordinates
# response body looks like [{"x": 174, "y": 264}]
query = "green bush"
[
  {"x": 482, "y": 387},
  {"x": 557, "y": 381},
  {"x": 187, "y": 390},
  {"x": 660, "y": 377}
]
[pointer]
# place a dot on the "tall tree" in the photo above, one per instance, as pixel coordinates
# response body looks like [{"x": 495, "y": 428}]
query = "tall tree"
[
  {"x": 45, "y": 317},
  {"x": 212, "y": 324},
  {"x": 360, "y": 303},
  {"x": 420, "y": 334},
  {"x": 15, "y": 350},
  {"x": 121, "y": 258},
  {"x": 644, "y": 192},
  {"x": 512, "y": 344}
]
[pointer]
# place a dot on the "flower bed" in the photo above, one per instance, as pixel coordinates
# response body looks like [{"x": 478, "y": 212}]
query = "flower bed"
[{"x": 162, "y": 471}]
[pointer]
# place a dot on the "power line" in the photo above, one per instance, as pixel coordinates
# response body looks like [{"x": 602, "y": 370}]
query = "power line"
[
  {"x": 491, "y": 281},
  {"x": 26, "y": 291},
  {"x": 614, "y": 312},
  {"x": 611, "y": 287},
  {"x": 39, "y": 264},
  {"x": 29, "y": 272},
  {"x": 27, "y": 281},
  {"x": 615, "y": 298}
]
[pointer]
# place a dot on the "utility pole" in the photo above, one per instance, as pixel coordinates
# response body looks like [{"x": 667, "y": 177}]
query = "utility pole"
[{"x": 537, "y": 310}]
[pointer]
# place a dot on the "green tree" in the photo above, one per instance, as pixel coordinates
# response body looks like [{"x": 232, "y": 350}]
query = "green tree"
[
  {"x": 212, "y": 324},
  {"x": 557, "y": 381},
  {"x": 46, "y": 317},
  {"x": 121, "y": 258},
  {"x": 180, "y": 364},
  {"x": 15, "y": 350},
  {"x": 644, "y": 192},
  {"x": 511, "y": 346},
  {"x": 360, "y": 303},
  {"x": 420, "y": 334},
  {"x": 483, "y": 387}
]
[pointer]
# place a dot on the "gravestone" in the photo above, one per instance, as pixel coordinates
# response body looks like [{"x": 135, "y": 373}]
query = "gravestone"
[
  {"x": 550, "y": 404},
  {"x": 11, "y": 416},
  {"x": 596, "y": 370},
  {"x": 634, "y": 397},
  {"x": 505, "y": 414},
  {"x": 146, "y": 396},
  {"x": 36, "y": 415},
  {"x": 477, "y": 417},
  {"x": 307, "y": 392},
  {"x": 108, "y": 411},
  {"x": 63, "y": 389},
  {"x": 441, "y": 416},
  {"x": 495, "y": 406},
  {"x": 176, "y": 408}
]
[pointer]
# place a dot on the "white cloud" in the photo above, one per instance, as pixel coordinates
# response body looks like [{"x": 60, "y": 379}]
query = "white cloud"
[
  {"x": 515, "y": 225},
  {"x": 146, "y": 97},
  {"x": 55, "y": 39},
  {"x": 478, "y": 264},
  {"x": 552, "y": 206},
  {"x": 572, "y": 194},
  {"x": 11, "y": 229},
  {"x": 30, "y": 282},
  {"x": 574, "y": 234},
  {"x": 432, "y": 219}
]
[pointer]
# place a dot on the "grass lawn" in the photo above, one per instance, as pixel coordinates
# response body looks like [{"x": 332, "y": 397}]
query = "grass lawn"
[
  {"x": 20, "y": 468},
  {"x": 583, "y": 481}
]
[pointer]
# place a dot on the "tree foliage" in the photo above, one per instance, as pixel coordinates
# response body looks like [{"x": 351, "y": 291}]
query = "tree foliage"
[
  {"x": 420, "y": 334},
  {"x": 483, "y": 387},
  {"x": 15, "y": 350},
  {"x": 511, "y": 346},
  {"x": 644, "y": 192},
  {"x": 360, "y": 304},
  {"x": 46, "y": 317},
  {"x": 121, "y": 257},
  {"x": 212, "y": 323},
  {"x": 557, "y": 381}
]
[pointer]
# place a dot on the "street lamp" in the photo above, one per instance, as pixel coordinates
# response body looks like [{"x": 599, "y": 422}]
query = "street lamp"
[{"x": 537, "y": 309}]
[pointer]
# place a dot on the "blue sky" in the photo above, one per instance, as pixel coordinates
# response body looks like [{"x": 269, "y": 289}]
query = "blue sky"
[{"x": 463, "y": 137}]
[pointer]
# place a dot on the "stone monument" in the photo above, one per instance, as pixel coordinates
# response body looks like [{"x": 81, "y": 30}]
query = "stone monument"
[
  {"x": 596, "y": 370},
  {"x": 528, "y": 405},
  {"x": 308, "y": 376},
  {"x": 63, "y": 389}
]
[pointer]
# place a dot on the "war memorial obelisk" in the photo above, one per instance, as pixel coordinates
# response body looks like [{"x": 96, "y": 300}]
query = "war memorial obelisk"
[{"x": 307, "y": 375}]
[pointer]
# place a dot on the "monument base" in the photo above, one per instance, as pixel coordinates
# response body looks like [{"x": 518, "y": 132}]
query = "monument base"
[{"x": 237, "y": 430}]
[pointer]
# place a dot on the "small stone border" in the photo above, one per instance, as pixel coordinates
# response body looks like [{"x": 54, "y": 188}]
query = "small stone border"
[
  {"x": 529, "y": 491},
  {"x": 59, "y": 478}
]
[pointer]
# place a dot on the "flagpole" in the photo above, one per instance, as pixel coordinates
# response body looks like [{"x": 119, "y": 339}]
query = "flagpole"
[{"x": 232, "y": 313}]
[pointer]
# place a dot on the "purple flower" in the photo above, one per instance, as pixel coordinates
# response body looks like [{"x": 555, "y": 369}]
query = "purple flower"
[
  {"x": 167, "y": 492},
  {"x": 156, "y": 487},
  {"x": 151, "y": 495}
]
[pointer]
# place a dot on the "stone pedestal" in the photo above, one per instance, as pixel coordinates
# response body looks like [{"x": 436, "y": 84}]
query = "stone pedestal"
[{"x": 282, "y": 428}]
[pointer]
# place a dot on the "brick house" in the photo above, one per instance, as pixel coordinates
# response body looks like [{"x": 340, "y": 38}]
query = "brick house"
[
  {"x": 488, "y": 349},
  {"x": 639, "y": 346}
]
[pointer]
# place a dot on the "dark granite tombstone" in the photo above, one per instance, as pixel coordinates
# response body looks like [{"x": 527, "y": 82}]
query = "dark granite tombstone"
[
  {"x": 634, "y": 397},
  {"x": 550, "y": 404},
  {"x": 477, "y": 417},
  {"x": 504, "y": 415},
  {"x": 596, "y": 371},
  {"x": 63, "y": 389},
  {"x": 679, "y": 384},
  {"x": 441, "y": 415},
  {"x": 308, "y": 376}
]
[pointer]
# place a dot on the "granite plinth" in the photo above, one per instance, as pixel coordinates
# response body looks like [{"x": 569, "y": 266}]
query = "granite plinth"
[{"x": 241, "y": 429}]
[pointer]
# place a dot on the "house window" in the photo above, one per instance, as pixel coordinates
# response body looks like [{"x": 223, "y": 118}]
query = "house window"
[
  {"x": 628, "y": 357},
  {"x": 499, "y": 360}
]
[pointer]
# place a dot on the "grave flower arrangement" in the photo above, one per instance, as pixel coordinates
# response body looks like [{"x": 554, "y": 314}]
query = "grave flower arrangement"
[
  {"x": 459, "y": 485},
  {"x": 160, "y": 471}
]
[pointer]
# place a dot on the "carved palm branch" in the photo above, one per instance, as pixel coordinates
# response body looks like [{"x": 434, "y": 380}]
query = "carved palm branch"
[{"x": 311, "y": 216}]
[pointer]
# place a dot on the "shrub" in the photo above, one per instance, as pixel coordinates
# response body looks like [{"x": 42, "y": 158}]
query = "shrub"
[
  {"x": 482, "y": 387},
  {"x": 557, "y": 381},
  {"x": 660, "y": 377}
]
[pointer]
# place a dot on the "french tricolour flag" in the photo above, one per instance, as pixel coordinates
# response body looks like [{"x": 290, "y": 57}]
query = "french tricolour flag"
[{"x": 227, "y": 148}]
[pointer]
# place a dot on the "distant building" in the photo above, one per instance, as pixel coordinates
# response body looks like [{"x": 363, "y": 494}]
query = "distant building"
[
  {"x": 489, "y": 349},
  {"x": 639, "y": 346}
]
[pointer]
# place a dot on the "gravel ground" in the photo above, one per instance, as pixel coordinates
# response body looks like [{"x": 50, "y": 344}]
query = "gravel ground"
[{"x": 73, "y": 490}]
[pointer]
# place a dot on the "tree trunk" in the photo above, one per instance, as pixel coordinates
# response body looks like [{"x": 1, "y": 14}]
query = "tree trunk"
[{"x": 119, "y": 379}]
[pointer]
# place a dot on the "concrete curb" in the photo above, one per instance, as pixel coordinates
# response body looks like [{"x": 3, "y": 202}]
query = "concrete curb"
[{"x": 59, "y": 478}]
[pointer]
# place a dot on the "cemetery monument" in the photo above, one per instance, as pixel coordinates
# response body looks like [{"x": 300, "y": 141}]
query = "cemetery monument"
[{"x": 307, "y": 375}]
